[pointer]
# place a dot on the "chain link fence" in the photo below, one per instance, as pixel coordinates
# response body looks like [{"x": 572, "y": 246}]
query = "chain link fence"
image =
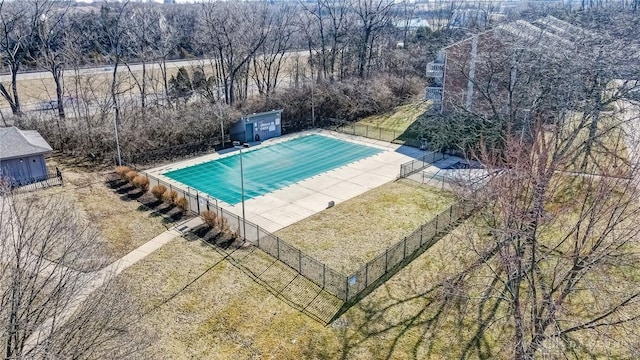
[
  {"x": 341, "y": 286},
  {"x": 322, "y": 275},
  {"x": 376, "y": 133},
  {"x": 394, "y": 257},
  {"x": 392, "y": 136},
  {"x": 413, "y": 166}
]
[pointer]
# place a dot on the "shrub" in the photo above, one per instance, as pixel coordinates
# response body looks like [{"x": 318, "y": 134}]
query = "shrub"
[
  {"x": 222, "y": 223},
  {"x": 182, "y": 203},
  {"x": 122, "y": 171},
  {"x": 169, "y": 196},
  {"x": 141, "y": 182},
  {"x": 210, "y": 218},
  {"x": 158, "y": 191},
  {"x": 131, "y": 175}
]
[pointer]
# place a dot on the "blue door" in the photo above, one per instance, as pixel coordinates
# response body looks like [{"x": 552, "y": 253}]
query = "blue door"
[{"x": 248, "y": 133}]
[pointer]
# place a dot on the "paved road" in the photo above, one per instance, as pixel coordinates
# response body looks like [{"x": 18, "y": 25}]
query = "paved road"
[
  {"x": 44, "y": 75},
  {"x": 121, "y": 68}
]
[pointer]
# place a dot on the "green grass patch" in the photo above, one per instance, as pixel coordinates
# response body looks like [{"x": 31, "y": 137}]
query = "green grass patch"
[
  {"x": 400, "y": 119},
  {"x": 393, "y": 126}
]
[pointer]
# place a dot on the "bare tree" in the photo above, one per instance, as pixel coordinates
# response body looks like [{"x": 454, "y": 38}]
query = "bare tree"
[
  {"x": 52, "y": 26},
  {"x": 140, "y": 37},
  {"x": 166, "y": 39},
  {"x": 548, "y": 263},
  {"x": 234, "y": 32},
  {"x": 373, "y": 16},
  {"x": 333, "y": 19},
  {"x": 114, "y": 27},
  {"x": 47, "y": 308},
  {"x": 81, "y": 89},
  {"x": 319, "y": 36},
  {"x": 268, "y": 61},
  {"x": 17, "y": 36}
]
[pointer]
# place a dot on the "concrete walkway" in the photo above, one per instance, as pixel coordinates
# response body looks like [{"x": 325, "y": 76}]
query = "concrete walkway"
[
  {"x": 150, "y": 246},
  {"x": 92, "y": 281}
]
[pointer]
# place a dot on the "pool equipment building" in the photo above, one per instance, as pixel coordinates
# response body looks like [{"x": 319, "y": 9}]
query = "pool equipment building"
[{"x": 257, "y": 127}]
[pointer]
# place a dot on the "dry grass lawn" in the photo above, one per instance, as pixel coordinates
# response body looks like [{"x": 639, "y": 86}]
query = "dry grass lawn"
[
  {"x": 348, "y": 235},
  {"x": 200, "y": 305},
  {"x": 123, "y": 225}
]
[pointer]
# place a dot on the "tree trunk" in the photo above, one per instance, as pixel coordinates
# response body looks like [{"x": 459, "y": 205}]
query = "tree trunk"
[
  {"x": 114, "y": 91},
  {"x": 57, "y": 78},
  {"x": 165, "y": 83},
  {"x": 14, "y": 85}
]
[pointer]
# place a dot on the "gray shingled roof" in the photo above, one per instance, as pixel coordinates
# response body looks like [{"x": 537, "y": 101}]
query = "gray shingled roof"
[
  {"x": 15, "y": 143},
  {"x": 550, "y": 32}
]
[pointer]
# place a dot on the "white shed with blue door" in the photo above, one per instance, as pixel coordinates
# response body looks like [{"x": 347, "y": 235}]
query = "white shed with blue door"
[
  {"x": 22, "y": 156},
  {"x": 258, "y": 127}
]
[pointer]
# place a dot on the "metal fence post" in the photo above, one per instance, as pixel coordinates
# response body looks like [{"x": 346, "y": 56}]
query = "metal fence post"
[
  {"x": 346, "y": 288},
  {"x": 437, "y": 216},
  {"x": 299, "y": 261},
  {"x": 198, "y": 201},
  {"x": 421, "y": 234},
  {"x": 278, "y": 248},
  {"x": 386, "y": 259},
  {"x": 404, "y": 250},
  {"x": 324, "y": 275},
  {"x": 366, "y": 275}
]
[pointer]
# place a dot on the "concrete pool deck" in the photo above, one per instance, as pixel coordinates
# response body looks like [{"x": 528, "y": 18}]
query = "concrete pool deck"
[{"x": 278, "y": 209}]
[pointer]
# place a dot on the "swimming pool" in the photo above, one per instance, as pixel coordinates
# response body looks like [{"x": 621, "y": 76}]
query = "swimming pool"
[{"x": 270, "y": 168}]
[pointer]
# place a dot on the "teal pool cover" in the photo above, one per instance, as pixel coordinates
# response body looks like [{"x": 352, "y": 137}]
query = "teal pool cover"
[{"x": 270, "y": 168}]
